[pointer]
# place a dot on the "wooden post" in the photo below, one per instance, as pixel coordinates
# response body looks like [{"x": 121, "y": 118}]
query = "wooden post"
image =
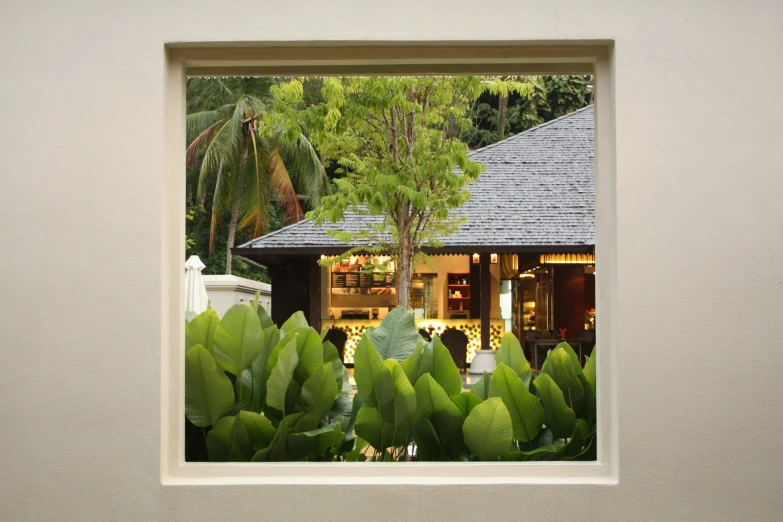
[
  {"x": 315, "y": 293},
  {"x": 485, "y": 300}
]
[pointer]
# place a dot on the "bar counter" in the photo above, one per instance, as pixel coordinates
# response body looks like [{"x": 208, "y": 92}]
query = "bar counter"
[{"x": 354, "y": 328}]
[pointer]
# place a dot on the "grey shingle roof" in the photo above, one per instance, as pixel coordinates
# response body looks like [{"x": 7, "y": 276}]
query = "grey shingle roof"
[{"x": 538, "y": 190}]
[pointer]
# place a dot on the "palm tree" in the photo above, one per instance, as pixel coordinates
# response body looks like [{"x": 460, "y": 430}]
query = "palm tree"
[{"x": 250, "y": 169}]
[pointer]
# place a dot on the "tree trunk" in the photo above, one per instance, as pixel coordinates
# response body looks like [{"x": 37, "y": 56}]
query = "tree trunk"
[
  {"x": 232, "y": 232},
  {"x": 502, "y": 109},
  {"x": 405, "y": 270}
]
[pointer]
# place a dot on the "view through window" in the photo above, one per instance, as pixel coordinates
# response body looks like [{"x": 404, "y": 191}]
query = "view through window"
[{"x": 390, "y": 269}]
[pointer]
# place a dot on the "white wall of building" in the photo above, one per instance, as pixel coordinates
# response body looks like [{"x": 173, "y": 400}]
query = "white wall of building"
[
  {"x": 224, "y": 291},
  {"x": 699, "y": 155}
]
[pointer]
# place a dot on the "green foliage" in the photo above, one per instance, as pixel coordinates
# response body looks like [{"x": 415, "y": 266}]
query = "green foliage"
[
  {"x": 246, "y": 163},
  {"x": 396, "y": 144},
  {"x": 286, "y": 396},
  {"x": 251, "y": 407}
]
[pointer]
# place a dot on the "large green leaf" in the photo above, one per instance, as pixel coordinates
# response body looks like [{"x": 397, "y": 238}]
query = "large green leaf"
[
  {"x": 433, "y": 358},
  {"x": 201, "y": 330},
  {"x": 367, "y": 365},
  {"x": 443, "y": 369},
  {"x": 589, "y": 370},
  {"x": 208, "y": 391},
  {"x": 297, "y": 320},
  {"x": 266, "y": 321},
  {"x": 465, "y": 402},
  {"x": 432, "y": 403},
  {"x": 560, "y": 366},
  {"x": 318, "y": 393},
  {"x": 259, "y": 430},
  {"x": 428, "y": 444},
  {"x": 560, "y": 419},
  {"x": 412, "y": 365},
  {"x": 252, "y": 390},
  {"x": 228, "y": 441},
  {"x": 488, "y": 431},
  {"x": 527, "y": 414},
  {"x": 402, "y": 406},
  {"x": 281, "y": 376},
  {"x": 512, "y": 355},
  {"x": 314, "y": 443},
  {"x": 309, "y": 349},
  {"x": 238, "y": 339},
  {"x": 579, "y": 442},
  {"x": 380, "y": 434},
  {"x": 397, "y": 335},
  {"x": 481, "y": 387}
]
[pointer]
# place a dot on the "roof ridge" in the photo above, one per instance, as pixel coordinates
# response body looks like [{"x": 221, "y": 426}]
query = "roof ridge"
[{"x": 528, "y": 131}]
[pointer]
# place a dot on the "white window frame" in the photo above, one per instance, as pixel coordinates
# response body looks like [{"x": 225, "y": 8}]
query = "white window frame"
[{"x": 319, "y": 58}]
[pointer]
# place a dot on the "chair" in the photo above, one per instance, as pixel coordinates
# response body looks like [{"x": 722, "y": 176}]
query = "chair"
[
  {"x": 457, "y": 343},
  {"x": 529, "y": 343},
  {"x": 587, "y": 338},
  {"x": 338, "y": 338},
  {"x": 425, "y": 334}
]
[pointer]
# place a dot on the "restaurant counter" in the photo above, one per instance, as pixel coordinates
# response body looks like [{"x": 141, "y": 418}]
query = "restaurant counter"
[{"x": 354, "y": 328}]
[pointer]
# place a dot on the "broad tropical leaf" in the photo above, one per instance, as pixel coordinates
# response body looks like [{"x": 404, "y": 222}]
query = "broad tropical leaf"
[
  {"x": 481, "y": 388},
  {"x": 259, "y": 430},
  {"x": 560, "y": 419},
  {"x": 318, "y": 393},
  {"x": 252, "y": 389},
  {"x": 281, "y": 376},
  {"x": 238, "y": 339},
  {"x": 488, "y": 432},
  {"x": 512, "y": 355},
  {"x": 527, "y": 414},
  {"x": 228, "y": 441},
  {"x": 314, "y": 442},
  {"x": 560, "y": 366},
  {"x": 442, "y": 368},
  {"x": 432, "y": 403},
  {"x": 297, "y": 320},
  {"x": 397, "y": 335},
  {"x": 402, "y": 406},
  {"x": 367, "y": 366},
  {"x": 589, "y": 370},
  {"x": 465, "y": 402},
  {"x": 208, "y": 391},
  {"x": 201, "y": 330}
]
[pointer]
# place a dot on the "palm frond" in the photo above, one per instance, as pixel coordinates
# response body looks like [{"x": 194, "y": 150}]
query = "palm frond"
[
  {"x": 224, "y": 148},
  {"x": 308, "y": 173},
  {"x": 200, "y": 141},
  {"x": 254, "y": 189},
  {"x": 281, "y": 184},
  {"x": 219, "y": 200}
]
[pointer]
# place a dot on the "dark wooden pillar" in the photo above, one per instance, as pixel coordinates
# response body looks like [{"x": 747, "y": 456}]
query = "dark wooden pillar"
[
  {"x": 475, "y": 290},
  {"x": 485, "y": 300},
  {"x": 290, "y": 290},
  {"x": 315, "y": 293},
  {"x": 569, "y": 298}
]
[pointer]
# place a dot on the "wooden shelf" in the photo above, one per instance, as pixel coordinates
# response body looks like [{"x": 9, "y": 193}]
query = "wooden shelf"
[
  {"x": 464, "y": 286},
  {"x": 460, "y": 298}
]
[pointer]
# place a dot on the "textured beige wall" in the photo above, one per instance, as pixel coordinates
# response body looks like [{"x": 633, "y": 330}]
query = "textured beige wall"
[{"x": 700, "y": 281}]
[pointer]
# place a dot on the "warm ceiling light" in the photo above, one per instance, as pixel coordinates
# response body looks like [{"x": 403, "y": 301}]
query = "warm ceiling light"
[
  {"x": 476, "y": 259},
  {"x": 568, "y": 259},
  {"x": 493, "y": 259}
]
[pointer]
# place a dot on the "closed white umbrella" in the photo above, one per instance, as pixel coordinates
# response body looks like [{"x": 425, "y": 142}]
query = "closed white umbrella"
[{"x": 195, "y": 292}]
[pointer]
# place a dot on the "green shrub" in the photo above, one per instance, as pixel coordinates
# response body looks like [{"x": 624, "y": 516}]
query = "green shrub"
[{"x": 254, "y": 392}]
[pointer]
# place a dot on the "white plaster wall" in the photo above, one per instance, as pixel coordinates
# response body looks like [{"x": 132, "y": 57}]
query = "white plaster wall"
[
  {"x": 700, "y": 282},
  {"x": 224, "y": 291}
]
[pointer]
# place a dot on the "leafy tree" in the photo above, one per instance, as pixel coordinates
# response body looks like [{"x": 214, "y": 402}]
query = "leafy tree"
[
  {"x": 251, "y": 161},
  {"x": 496, "y": 117},
  {"x": 396, "y": 141}
]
